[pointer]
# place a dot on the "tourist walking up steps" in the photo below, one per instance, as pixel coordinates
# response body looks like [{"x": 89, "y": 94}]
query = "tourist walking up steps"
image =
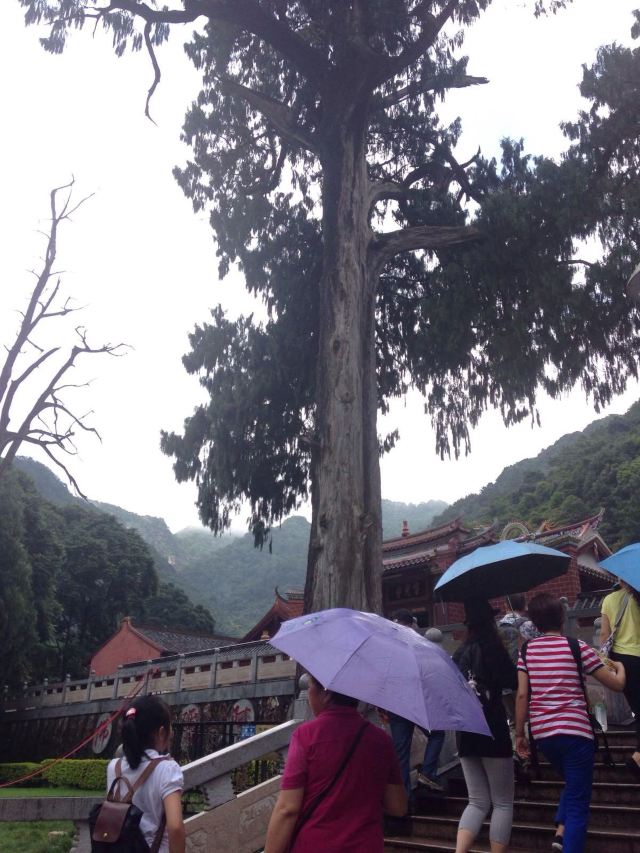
[
  {"x": 146, "y": 735},
  {"x": 402, "y": 736},
  {"x": 621, "y": 616},
  {"x": 340, "y": 776},
  {"x": 487, "y": 762},
  {"x": 551, "y": 694}
]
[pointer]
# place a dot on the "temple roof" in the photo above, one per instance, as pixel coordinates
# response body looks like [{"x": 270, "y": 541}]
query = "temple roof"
[
  {"x": 286, "y": 605},
  {"x": 431, "y": 534},
  {"x": 175, "y": 641},
  {"x": 579, "y": 537}
]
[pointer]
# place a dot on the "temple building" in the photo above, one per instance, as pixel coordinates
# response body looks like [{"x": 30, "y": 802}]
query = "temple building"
[
  {"x": 414, "y": 562},
  {"x": 132, "y": 643},
  {"x": 286, "y": 605}
]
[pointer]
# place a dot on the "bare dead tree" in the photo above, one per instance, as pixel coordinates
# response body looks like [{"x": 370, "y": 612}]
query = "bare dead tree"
[{"x": 33, "y": 410}]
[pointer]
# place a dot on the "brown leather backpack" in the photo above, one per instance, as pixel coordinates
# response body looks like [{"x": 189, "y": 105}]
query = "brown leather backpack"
[{"x": 115, "y": 823}]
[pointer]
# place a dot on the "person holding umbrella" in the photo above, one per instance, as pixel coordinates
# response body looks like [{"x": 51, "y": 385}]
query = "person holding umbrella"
[
  {"x": 621, "y": 626},
  {"x": 487, "y": 762},
  {"x": 341, "y": 772},
  {"x": 341, "y": 775}
]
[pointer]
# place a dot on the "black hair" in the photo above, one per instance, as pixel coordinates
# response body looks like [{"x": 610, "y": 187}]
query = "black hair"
[
  {"x": 139, "y": 728},
  {"x": 546, "y": 612},
  {"x": 403, "y": 617},
  {"x": 482, "y": 629},
  {"x": 337, "y": 698},
  {"x": 517, "y": 601}
]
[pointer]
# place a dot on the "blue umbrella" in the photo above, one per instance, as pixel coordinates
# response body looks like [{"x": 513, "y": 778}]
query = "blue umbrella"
[
  {"x": 385, "y": 664},
  {"x": 625, "y": 564},
  {"x": 495, "y": 570}
]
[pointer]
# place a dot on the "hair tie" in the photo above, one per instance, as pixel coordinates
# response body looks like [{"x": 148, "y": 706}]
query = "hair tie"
[{"x": 130, "y": 713}]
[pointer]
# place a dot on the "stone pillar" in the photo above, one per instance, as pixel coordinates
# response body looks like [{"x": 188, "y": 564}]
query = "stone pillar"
[
  {"x": 214, "y": 669},
  {"x": 116, "y": 681},
  {"x": 147, "y": 678},
  {"x": 65, "y": 689},
  {"x": 300, "y": 707},
  {"x": 90, "y": 680},
  {"x": 179, "y": 666},
  {"x": 253, "y": 677}
]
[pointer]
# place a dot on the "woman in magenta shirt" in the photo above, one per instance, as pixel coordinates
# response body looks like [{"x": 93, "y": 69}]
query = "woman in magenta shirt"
[{"x": 348, "y": 817}]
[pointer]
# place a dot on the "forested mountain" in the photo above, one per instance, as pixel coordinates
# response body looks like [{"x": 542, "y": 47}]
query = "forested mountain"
[
  {"x": 576, "y": 476},
  {"x": 68, "y": 574},
  {"x": 227, "y": 574}
]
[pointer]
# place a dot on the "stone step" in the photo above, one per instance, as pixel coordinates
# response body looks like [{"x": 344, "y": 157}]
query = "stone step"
[
  {"x": 618, "y": 793},
  {"x": 525, "y": 835},
  {"x": 539, "y": 811},
  {"x": 601, "y": 772}
]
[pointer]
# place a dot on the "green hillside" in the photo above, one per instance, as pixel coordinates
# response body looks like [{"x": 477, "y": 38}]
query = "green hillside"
[
  {"x": 575, "y": 477},
  {"x": 227, "y": 574}
]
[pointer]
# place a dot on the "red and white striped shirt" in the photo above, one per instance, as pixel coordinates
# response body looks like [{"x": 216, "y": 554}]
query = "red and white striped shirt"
[{"x": 557, "y": 705}]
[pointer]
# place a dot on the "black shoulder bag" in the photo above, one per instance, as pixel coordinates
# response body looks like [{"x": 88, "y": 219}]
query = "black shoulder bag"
[{"x": 320, "y": 797}]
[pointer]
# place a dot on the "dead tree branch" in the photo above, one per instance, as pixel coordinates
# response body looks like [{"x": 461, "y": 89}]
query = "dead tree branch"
[{"x": 27, "y": 397}]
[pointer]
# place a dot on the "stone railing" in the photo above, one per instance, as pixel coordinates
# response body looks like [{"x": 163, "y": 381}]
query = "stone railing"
[
  {"x": 244, "y": 663},
  {"x": 230, "y": 824}
]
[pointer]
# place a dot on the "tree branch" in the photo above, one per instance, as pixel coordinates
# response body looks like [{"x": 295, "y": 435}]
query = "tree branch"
[
  {"x": 431, "y": 28},
  {"x": 428, "y": 237},
  {"x": 431, "y": 84},
  {"x": 247, "y": 14},
  {"x": 277, "y": 113}
]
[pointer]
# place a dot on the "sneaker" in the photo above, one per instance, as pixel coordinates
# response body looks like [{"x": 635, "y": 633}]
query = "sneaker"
[
  {"x": 429, "y": 783},
  {"x": 556, "y": 844}
]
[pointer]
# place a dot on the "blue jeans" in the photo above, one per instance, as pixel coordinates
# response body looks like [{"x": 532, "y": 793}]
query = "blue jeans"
[
  {"x": 572, "y": 756},
  {"x": 402, "y": 735}
]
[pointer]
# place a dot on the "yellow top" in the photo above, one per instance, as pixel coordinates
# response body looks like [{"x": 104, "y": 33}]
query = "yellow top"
[{"x": 627, "y": 639}]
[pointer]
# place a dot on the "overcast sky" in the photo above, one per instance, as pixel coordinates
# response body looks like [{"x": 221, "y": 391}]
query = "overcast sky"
[{"x": 144, "y": 265}]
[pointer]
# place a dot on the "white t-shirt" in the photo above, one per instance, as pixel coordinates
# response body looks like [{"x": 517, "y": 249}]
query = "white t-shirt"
[{"x": 165, "y": 779}]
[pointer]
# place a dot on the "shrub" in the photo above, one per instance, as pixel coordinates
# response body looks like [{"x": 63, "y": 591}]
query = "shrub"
[
  {"x": 90, "y": 774},
  {"x": 18, "y": 769}
]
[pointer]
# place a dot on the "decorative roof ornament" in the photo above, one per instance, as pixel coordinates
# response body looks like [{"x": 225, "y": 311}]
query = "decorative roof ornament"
[{"x": 514, "y": 529}]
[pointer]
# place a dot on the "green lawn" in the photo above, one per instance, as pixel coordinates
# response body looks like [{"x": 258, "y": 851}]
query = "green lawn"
[
  {"x": 33, "y": 837},
  {"x": 49, "y": 792}
]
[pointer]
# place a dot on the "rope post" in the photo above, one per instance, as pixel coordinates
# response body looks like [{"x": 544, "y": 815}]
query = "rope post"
[{"x": 65, "y": 688}]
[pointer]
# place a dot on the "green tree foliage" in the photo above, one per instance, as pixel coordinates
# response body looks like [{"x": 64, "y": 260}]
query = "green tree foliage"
[
  {"x": 384, "y": 261},
  {"x": 68, "y": 574},
  {"x": 574, "y": 478},
  {"x": 170, "y": 606}
]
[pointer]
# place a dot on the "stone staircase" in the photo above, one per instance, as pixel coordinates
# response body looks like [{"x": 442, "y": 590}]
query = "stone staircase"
[{"x": 615, "y": 811}]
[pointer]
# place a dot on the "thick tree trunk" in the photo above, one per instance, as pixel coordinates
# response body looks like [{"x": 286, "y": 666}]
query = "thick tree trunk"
[{"x": 345, "y": 557}]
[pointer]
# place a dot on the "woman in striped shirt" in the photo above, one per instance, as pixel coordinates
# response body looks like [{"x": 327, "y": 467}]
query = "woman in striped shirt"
[{"x": 549, "y": 687}]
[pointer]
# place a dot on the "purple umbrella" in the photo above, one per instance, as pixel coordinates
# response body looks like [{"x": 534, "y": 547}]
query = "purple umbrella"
[{"x": 385, "y": 664}]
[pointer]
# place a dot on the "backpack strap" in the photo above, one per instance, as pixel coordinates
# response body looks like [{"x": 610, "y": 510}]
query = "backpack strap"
[
  {"x": 148, "y": 770},
  {"x": 535, "y": 761},
  {"x": 574, "y": 645},
  {"x": 142, "y": 778},
  {"x": 114, "y": 791}
]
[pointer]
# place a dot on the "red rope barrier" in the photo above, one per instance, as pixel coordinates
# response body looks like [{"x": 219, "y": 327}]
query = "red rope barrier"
[{"x": 86, "y": 740}]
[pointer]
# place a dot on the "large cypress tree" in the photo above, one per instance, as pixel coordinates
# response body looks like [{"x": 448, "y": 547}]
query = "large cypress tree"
[{"x": 384, "y": 261}]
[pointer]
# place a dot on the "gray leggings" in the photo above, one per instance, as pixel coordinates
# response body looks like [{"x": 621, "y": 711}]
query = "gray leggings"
[{"x": 489, "y": 783}]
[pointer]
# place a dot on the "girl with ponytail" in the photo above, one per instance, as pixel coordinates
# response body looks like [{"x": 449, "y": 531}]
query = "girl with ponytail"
[{"x": 146, "y": 734}]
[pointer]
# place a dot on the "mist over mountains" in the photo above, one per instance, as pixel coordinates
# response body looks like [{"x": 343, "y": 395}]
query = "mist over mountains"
[
  {"x": 573, "y": 478},
  {"x": 227, "y": 574}
]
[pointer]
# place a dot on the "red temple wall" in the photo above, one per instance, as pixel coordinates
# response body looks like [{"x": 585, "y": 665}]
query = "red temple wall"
[{"x": 125, "y": 647}]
